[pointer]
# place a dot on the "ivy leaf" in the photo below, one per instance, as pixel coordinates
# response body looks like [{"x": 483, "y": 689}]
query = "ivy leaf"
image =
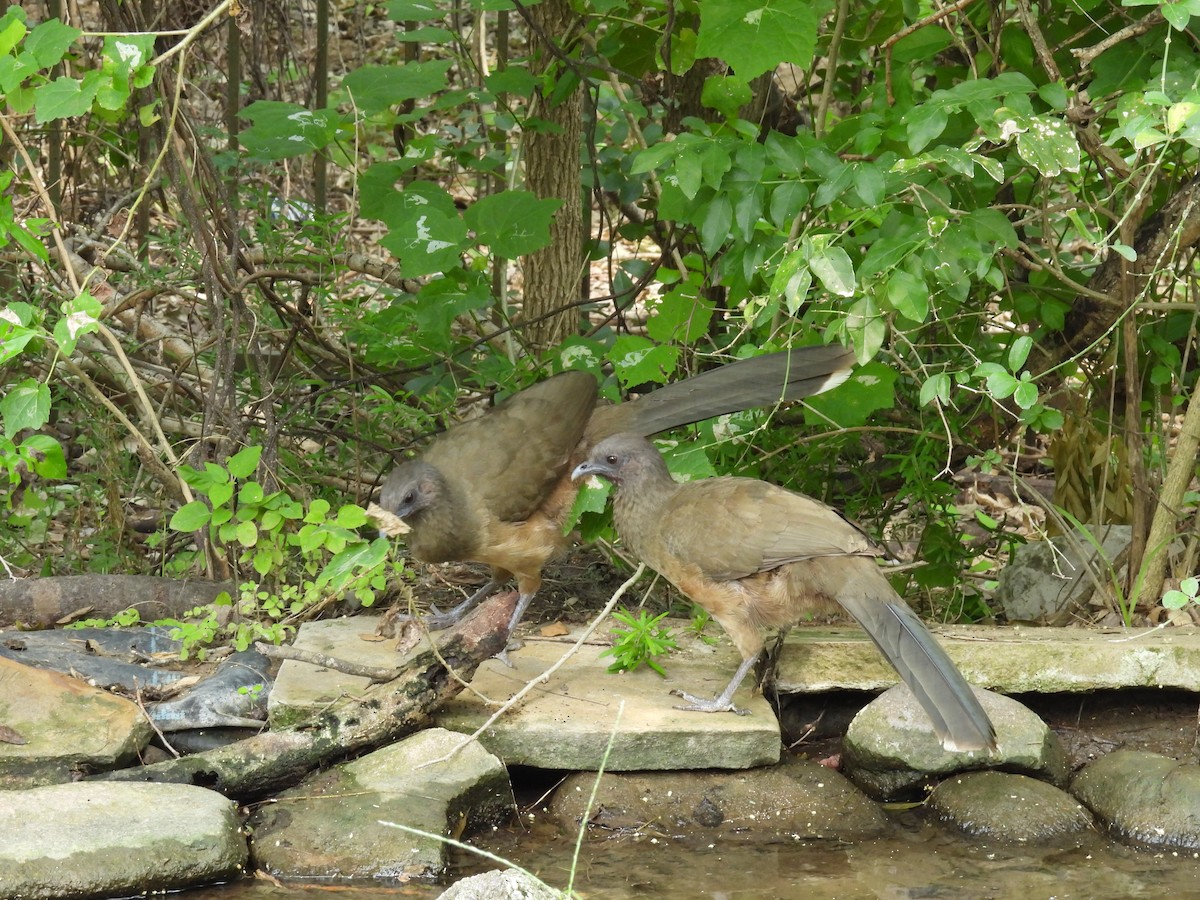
[
  {"x": 512, "y": 223},
  {"x": 1049, "y": 146},
  {"x": 49, "y": 42}
]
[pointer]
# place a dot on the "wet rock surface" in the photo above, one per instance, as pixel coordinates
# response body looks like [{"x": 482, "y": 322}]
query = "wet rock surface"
[
  {"x": 1007, "y": 807},
  {"x": 342, "y": 824},
  {"x": 115, "y": 840},
  {"x": 1144, "y": 797},
  {"x": 891, "y": 753},
  {"x": 797, "y": 799}
]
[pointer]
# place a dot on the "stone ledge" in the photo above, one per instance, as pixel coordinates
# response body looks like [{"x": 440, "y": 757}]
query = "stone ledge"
[{"x": 1013, "y": 660}]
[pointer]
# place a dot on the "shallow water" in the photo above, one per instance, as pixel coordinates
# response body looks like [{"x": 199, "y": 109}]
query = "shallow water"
[{"x": 917, "y": 861}]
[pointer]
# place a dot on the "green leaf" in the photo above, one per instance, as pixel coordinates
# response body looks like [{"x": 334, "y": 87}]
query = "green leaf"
[
  {"x": 50, "y": 41},
  {"x": 872, "y": 387},
  {"x": 190, "y": 517},
  {"x": 355, "y": 560},
  {"x": 282, "y": 130},
  {"x": 936, "y": 387},
  {"x": 220, "y": 493},
  {"x": 12, "y": 29},
  {"x": 908, "y": 295},
  {"x": 65, "y": 98},
  {"x": 1019, "y": 352},
  {"x": 1025, "y": 394},
  {"x": 831, "y": 264},
  {"x": 512, "y": 223},
  {"x": 680, "y": 316},
  {"x": 726, "y": 94},
  {"x": 1001, "y": 385},
  {"x": 374, "y": 89},
  {"x": 792, "y": 280},
  {"x": 45, "y": 455},
  {"x": 640, "y": 361},
  {"x": 351, "y": 516},
  {"x": 27, "y": 405},
  {"x": 754, "y": 37},
  {"x": 250, "y": 493},
  {"x": 243, "y": 463},
  {"x": 1049, "y": 146},
  {"x": 516, "y": 81},
  {"x": 718, "y": 219},
  {"x": 246, "y": 534},
  {"x": 414, "y": 10},
  {"x": 592, "y": 497}
]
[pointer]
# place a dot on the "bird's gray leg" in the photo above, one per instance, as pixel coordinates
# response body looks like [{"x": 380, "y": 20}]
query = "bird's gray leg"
[
  {"x": 723, "y": 702},
  {"x": 436, "y": 620},
  {"x": 523, "y": 602}
]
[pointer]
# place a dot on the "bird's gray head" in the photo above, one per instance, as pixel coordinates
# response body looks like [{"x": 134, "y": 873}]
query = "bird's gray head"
[
  {"x": 620, "y": 457},
  {"x": 411, "y": 488}
]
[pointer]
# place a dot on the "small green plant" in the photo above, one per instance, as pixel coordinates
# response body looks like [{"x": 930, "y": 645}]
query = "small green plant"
[
  {"x": 643, "y": 639},
  {"x": 1187, "y": 593},
  {"x": 699, "y": 622},
  {"x": 303, "y": 557}
]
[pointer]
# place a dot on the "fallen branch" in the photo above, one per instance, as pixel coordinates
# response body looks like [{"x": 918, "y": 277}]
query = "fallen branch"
[{"x": 381, "y": 714}]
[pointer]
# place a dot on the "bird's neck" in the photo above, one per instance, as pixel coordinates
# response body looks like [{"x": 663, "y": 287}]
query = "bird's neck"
[
  {"x": 444, "y": 530},
  {"x": 639, "y": 504}
]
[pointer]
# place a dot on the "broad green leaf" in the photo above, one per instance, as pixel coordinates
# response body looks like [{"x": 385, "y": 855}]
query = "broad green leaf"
[
  {"x": 718, "y": 219},
  {"x": 220, "y": 494},
  {"x": 726, "y": 94},
  {"x": 250, "y": 493},
  {"x": 592, "y": 497},
  {"x": 831, "y": 264},
  {"x": 680, "y": 316},
  {"x": 283, "y": 130},
  {"x": 45, "y": 455},
  {"x": 754, "y": 37},
  {"x": 1026, "y": 394},
  {"x": 351, "y": 516},
  {"x": 1001, "y": 385},
  {"x": 64, "y": 97},
  {"x": 1019, "y": 352},
  {"x": 246, "y": 534},
  {"x": 414, "y": 10},
  {"x": 356, "y": 559},
  {"x": 426, "y": 241},
  {"x": 936, "y": 387},
  {"x": 908, "y": 295},
  {"x": 50, "y": 41},
  {"x": 512, "y": 223},
  {"x": 866, "y": 328},
  {"x": 872, "y": 387},
  {"x": 12, "y": 29},
  {"x": 374, "y": 89},
  {"x": 191, "y": 517},
  {"x": 26, "y": 405},
  {"x": 514, "y": 80},
  {"x": 637, "y": 360},
  {"x": 1049, "y": 146},
  {"x": 924, "y": 124},
  {"x": 868, "y": 183},
  {"x": 243, "y": 463}
]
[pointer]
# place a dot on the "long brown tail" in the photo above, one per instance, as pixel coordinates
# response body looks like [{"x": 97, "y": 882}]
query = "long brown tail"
[
  {"x": 744, "y": 384},
  {"x": 958, "y": 719}
]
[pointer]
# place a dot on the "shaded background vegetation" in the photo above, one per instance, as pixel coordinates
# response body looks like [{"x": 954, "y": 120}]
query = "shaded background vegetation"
[{"x": 326, "y": 230}]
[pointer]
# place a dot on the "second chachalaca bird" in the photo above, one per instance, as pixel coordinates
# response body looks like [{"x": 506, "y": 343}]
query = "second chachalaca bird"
[
  {"x": 756, "y": 555},
  {"x": 497, "y": 489}
]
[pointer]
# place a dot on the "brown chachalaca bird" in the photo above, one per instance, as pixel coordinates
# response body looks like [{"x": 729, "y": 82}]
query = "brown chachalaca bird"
[
  {"x": 497, "y": 489},
  {"x": 755, "y": 555}
]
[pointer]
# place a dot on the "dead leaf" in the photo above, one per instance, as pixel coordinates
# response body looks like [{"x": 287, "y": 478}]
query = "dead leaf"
[
  {"x": 9, "y": 736},
  {"x": 72, "y": 616},
  {"x": 554, "y": 629}
]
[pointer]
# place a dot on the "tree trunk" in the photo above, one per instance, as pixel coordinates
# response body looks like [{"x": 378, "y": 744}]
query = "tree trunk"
[{"x": 552, "y": 274}]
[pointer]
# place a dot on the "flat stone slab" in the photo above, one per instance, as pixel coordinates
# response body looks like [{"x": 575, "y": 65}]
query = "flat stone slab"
[
  {"x": 1014, "y": 659},
  {"x": 66, "y": 727},
  {"x": 97, "y": 839},
  {"x": 565, "y": 723}
]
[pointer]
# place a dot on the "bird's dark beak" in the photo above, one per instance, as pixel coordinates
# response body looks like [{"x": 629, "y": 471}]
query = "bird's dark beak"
[{"x": 587, "y": 468}]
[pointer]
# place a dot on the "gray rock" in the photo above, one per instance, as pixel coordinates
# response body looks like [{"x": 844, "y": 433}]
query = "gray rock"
[
  {"x": 103, "y": 657},
  {"x": 97, "y": 839},
  {"x": 340, "y": 824},
  {"x": 507, "y": 884},
  {"x": 1007, "y": 807},
  {"x": 1047, "y": 581},
  {"x": 891, "y": 752},
  {"x": 1145, "y": 798},
  {"x": 69, "y": 728},
  {"x": 233, "y": 696},
  {"x": 797, "y": 798}
]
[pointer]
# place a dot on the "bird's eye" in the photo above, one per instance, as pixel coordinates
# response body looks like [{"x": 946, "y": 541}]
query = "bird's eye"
[
  {"x": 410, "y": 497},
  {"x": 611, "y": 459}
]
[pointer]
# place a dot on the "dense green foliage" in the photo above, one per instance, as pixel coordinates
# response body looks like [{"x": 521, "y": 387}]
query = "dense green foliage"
[{"x": 993, "y": 204}]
